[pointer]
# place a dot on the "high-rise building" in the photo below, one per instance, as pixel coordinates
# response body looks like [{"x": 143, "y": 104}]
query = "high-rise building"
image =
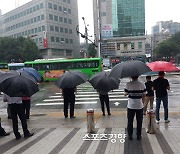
[
  {"x": 50, "y": 23},
  {"x": 120, "y": 24}
]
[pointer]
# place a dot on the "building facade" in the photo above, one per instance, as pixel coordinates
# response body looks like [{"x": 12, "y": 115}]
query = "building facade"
[
  {"x": 120, "y": 25},
  {"x": 166, "y": 27},
  {"x": 50, "y": 23}
]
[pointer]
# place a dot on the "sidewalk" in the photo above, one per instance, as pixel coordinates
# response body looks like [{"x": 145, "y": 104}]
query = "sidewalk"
[{"x": 54, "y": 134}]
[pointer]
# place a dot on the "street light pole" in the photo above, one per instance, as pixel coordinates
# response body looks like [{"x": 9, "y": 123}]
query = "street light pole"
[{"x": 86, "y": 37}]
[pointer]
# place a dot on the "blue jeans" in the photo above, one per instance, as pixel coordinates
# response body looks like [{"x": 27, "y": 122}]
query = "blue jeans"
[{"x": 165, "y": 104}]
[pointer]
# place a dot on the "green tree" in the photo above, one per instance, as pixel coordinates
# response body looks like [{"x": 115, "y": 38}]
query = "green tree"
[
  {"x": 167, "y": 49},
  {"x": 18, "y": 50},
  {"x": 92, "y": 50}
]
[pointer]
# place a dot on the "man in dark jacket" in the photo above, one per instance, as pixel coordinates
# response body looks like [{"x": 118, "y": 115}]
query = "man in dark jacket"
[{"x": 161, "y": 85}]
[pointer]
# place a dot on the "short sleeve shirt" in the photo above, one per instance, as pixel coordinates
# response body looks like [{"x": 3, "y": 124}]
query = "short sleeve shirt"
[
  {"x": 135, "y": 91},
  {"x": 160, "y": 86},
  {"x": 149, "y": 85}
]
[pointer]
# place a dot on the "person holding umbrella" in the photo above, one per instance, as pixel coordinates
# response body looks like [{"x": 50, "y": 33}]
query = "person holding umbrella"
[
  {"x": 69, "y": 98},
  {"x": 68, "y": 82},
  {"x": 104, "y": 98},
  {"x": 136, "y": 92},
  {"x": 17, "y": 109}
]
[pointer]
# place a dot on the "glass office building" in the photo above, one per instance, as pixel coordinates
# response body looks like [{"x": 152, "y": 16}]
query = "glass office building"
[{"x": 128, "y": 18}]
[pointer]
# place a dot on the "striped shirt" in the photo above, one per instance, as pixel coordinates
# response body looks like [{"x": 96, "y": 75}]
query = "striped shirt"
[{"x": 135, "y": 91}]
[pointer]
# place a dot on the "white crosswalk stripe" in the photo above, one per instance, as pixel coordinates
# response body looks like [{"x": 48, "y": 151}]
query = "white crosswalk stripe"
[{"x": 86, "y": 94}]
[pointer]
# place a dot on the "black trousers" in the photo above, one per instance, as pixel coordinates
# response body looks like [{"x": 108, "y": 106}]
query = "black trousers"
[
  {"x": 104, "y": 99},
  {"x": 139, "y": 119},
  {"x": 69, "y": 100},
  {"x": 17, "y": 110},
  {"x": 27, "y": 105}
]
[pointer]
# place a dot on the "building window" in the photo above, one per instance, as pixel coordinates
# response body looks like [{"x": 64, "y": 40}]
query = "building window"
[
  {"x": 41, "y": 5},
  {"x": 125, "y": 46},
  {"x": 42, "y": 17},
  {"x": 103, "y": 13},
  {"x": 38, "y": 18},
  {"x": 43, "y": 28},
  {"x": 118, "y": 46},
  {"x": 62, "y": 40},
  {"x": 60, "y": 8},
  {"x": 69, "y": 11},
  {"x": 50, "y": 5},
  {"x": 39, "y": 29},
  {"x": 55, "y": 7},
  {"x": 66, "y": 30},
  {"x": 57, "y": 39},
  {"x": 71, "y": 41},
  {"x": 56, "y": 29},
  {"x": 70, "y": 31},
  {"x": 56, "y": 18},
  {"x": 52, "y": 38},
  {"x": 68, "y": 53},
  {"x": 132, "y": 45},
  {"x": 65, "y": 20},
  {"x": 69, "y": 1},
  {"x": 51, "y": 28},
  {"x": 69, "y": 21},
  {"x": 50, "y": 16},
  {"x": 60, "y": 19},
  {"x": 139, "y": 45},
  {"x": 61, "y": 29},
  {"x": 67, "y": 40}
]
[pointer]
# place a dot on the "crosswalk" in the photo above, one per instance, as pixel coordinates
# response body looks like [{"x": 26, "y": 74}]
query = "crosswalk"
[{"x": 86, "y": 94}]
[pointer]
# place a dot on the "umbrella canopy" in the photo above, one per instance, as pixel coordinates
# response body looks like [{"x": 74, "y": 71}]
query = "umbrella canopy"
[
  {"x": 32, "y": 72},
  {"x": 71, "y": 79},
  {"x": 17, "y": 85},
  {"x": 129, "y": 68},
  {"x": 162, "y": 66},
  {"x": 104, "y": 82}
]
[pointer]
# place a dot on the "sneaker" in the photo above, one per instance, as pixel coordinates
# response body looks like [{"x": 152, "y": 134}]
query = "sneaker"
[
  {"x": 167, "y": 121},
  {"x": 73, "y": 117},
  {"x": 157, "y": 121},
  {"x": 103, "y": 114},
  {"x": 109, "y": 113}
]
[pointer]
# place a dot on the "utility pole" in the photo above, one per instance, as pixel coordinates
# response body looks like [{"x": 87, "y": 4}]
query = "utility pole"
[
  {"x": 99, "y": 27},
  {"x": 86, "y": 37}
]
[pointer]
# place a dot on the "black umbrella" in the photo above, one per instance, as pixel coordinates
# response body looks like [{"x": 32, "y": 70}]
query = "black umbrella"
[
  {"x": 129, "y": 68},
  {"x": 17, "y": 84},
  {"x": 71, "y": 79},
  {"x": 104, "y": 82},
  {"x": 32, "y": 72}
]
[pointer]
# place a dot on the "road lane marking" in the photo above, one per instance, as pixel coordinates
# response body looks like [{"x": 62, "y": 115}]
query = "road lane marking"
[{"x": 43, "y": 104}]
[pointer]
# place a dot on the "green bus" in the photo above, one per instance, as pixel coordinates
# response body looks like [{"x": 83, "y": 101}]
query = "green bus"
[
  {"x": 4, "y": 66},
  {"x": 52, "y": 69}
]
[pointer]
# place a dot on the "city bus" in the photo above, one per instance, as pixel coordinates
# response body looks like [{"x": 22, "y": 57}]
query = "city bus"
[
  {"x": 4, "y": 67},
  {"x": 15, "y": 66},
  {"x": 119, "y": 59},
  {"x": 52, "y": 69}
]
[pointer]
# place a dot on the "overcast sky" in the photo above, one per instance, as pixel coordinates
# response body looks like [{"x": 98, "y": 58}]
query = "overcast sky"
[{"x": 156, "y": 10}]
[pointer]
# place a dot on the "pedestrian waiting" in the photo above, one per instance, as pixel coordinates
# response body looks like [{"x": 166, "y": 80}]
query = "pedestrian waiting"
[
  {"x": 104, "y": 98},
  {"x": 17, "y": 110},
  {"x": 136, "y": 91},
  {"x": 150, "y": 94},
  {"x": 161, "y": 85}
]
